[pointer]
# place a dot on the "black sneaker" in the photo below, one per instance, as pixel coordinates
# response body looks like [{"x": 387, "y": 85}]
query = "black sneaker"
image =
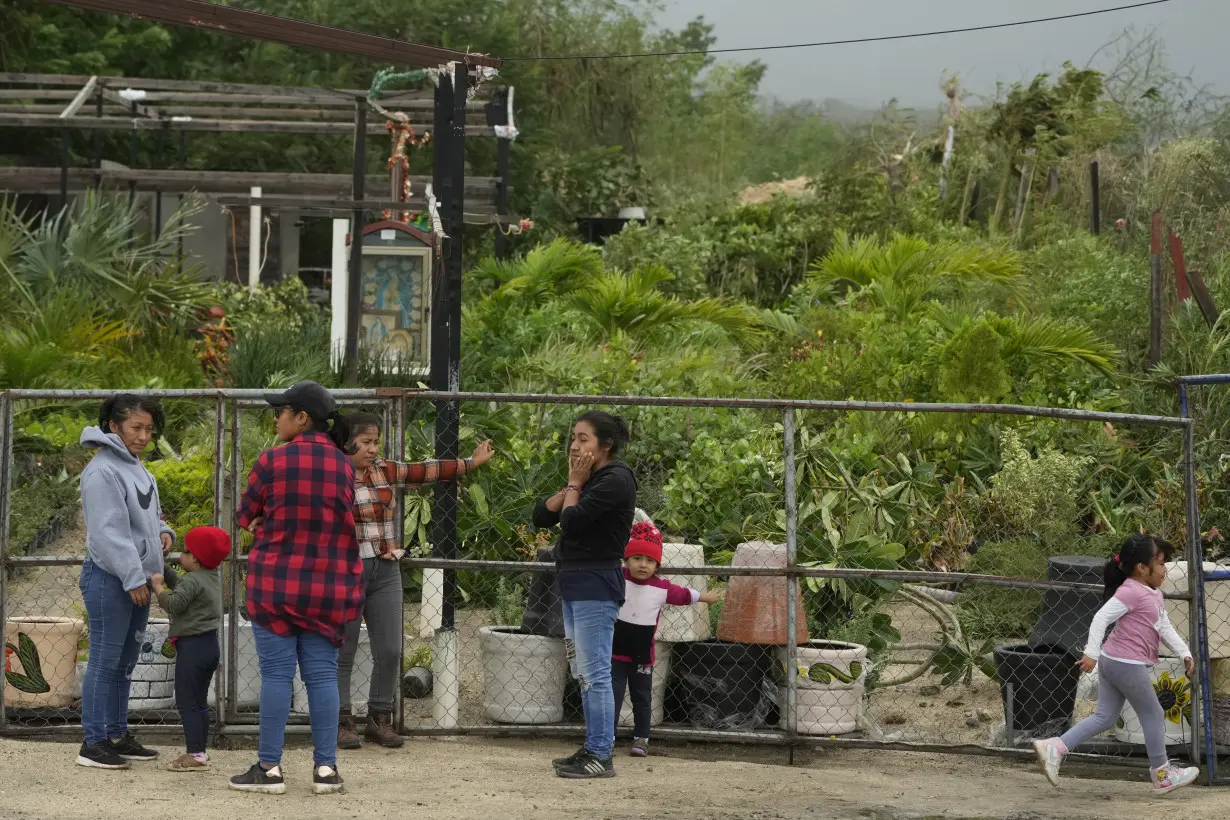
[
  {"x": 128, "y": 748},
  {"x": 100, "y": 756},
  {"x": 260, "y": 780},
  {"x": 327, "y": 780},
  {"x": 570, "y": 759},
  {"x": 586, "y": 767}
]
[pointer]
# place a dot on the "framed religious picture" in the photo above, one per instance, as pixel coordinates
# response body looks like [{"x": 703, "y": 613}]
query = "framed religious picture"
[{"x": 394, "y": 316}]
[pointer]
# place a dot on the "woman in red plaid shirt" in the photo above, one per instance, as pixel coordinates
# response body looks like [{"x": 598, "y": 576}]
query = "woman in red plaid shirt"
[
  {"x": 303, "y": 577},
  {"x": 375, "y": 512}
]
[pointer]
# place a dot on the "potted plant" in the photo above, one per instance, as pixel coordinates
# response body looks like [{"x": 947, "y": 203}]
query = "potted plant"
[
  {"x": 40, "y": 657},
  {"x": 830, "y": 679}
]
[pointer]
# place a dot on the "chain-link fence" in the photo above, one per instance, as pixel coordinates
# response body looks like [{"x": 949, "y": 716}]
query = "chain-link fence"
[
  {"x": 888, "y": 574},
  {"x": 1203, "y": 399}
]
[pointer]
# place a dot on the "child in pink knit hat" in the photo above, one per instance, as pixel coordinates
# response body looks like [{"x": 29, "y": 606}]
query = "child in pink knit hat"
[{"x": 632, "y": 653}]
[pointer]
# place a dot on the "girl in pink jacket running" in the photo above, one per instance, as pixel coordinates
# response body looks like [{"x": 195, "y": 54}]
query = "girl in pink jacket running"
[{"x": 1135, "y": 608}]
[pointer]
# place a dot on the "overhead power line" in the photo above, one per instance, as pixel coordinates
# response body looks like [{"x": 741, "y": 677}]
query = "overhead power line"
[{"x": 852, "y": 41}]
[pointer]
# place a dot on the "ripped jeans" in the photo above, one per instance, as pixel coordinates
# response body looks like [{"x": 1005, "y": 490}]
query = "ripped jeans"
[
  {"x": 117, "y": 630},
  {"x": 589, "y": 630}
]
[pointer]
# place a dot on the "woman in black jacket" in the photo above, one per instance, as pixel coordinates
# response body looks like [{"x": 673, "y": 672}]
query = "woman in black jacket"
[{"x": 594, "y": 511}]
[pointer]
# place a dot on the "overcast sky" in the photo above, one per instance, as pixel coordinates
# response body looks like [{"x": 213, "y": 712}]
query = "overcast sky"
[{"x": 1195, "y": 31}]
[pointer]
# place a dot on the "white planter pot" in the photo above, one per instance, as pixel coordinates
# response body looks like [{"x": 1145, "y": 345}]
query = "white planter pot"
[
  {"x": 684, "y": 624},
  {"x": 833, "y": 706},
  {"x": 1174, "y": 689},
  {"x": 661, "y": 670},
  {"x": 524, "y": 676},
  {"x": 1217, "y": 607}
]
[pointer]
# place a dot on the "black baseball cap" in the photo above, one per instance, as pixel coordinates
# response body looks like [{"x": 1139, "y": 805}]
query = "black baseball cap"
[{"x": 309, "y": 397}]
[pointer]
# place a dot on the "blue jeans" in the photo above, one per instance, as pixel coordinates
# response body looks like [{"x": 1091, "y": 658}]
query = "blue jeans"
[
  {"x": 117, "y": 628},
  {"x": 317, "y": 662},
  {"x": 589, "y": 630}
]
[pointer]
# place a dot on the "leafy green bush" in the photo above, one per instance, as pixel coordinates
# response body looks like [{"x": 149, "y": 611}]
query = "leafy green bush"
[{"x": 185, "y": 488}]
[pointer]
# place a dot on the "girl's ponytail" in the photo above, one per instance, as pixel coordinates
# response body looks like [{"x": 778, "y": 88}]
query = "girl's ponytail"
[{"x": 339, "y": 431}]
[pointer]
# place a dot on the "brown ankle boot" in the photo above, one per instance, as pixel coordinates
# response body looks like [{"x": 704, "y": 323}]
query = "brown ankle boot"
[
  {"x": 347, "y": 735},
  {"x": 380, "y": 730}
]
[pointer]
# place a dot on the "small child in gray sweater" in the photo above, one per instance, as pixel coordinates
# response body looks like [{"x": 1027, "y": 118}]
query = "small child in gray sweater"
[{"x": 194, "y": 603}]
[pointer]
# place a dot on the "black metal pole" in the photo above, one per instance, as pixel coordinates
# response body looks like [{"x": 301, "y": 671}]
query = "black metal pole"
[
  {"x": 354, "y": 285},
  {"x": 497, "y": 114},
  {"x": 449, "y": 186},
  {"x": 65, "y": 160},
  {"x": 1095, "y": 199},
  {"x": 159, "y": 149}
]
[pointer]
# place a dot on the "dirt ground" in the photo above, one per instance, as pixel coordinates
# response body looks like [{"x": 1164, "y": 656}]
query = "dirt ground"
[{"x": 505, "y": 778}]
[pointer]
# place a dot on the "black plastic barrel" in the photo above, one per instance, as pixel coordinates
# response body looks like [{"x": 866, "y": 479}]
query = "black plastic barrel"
[
  {"x": 544, "y": 615},
  {"x": 1043, "y": 688},
  {"x": 719, "y": 685},
  {"x": 1066, "y": 613}
]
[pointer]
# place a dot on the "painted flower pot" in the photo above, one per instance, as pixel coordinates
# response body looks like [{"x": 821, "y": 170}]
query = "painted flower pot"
[
  {"x": 1174, "y": 693},
  {"x": 40, "y": 658},
  {"x": 661, "y": 670},
  {"x": 524, "y": 676},
  {"x": 831, "y": 679},
  {"x": 684, "y": 624},
  {"x": 755, "y": 610}
]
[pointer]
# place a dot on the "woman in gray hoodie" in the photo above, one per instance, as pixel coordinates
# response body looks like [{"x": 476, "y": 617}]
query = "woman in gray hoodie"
[{"x": 126, "y": 542}]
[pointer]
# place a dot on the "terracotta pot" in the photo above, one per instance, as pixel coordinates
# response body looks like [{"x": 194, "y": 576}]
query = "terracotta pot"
[
  {"x": 755, "y": 609},
  {"x": 50, "y": 644}
]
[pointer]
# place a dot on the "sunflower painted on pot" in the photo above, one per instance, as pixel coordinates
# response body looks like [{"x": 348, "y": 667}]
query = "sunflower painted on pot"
[{"x": 1175, "y": 696}]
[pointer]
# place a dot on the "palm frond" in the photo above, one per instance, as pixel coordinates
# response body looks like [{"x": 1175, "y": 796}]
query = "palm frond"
[{"x": 1046, "y": 337}]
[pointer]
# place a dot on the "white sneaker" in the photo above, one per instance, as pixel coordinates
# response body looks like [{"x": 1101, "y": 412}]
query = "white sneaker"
[
  {"x": 1171, "y": 777},
  {"x": 1049, "y": 758}
]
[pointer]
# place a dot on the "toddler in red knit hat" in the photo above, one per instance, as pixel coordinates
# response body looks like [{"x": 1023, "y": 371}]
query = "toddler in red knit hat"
[
  {"x": 632, "y": 653},
  {"x": 194, "y": 603}
]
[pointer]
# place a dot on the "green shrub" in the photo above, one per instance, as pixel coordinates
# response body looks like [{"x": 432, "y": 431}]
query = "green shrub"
[{"x": 185, "y": 488}]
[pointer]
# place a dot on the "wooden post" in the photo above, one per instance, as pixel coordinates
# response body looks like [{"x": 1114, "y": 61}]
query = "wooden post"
[
  {"x": 1155, "y": 289},
  {"x": 1095, "y": 199},
  {"x": 1203, "y": 299},
  {"x": 354, "y": 294},
  {"x": 1180, "y": 267},
  {"x": 1052, "y": 182}
]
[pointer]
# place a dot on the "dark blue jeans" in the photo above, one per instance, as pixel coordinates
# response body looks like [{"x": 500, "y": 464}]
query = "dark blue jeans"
[
  {"x": 117, "y": 628},
  {"x": 317, "y": 661}
]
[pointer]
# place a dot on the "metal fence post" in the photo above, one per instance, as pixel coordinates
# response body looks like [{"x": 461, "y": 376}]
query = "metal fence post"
[
  {"x": 790, "y": 712},
  {"x": 220, "y": 677},
  {"x": 1196, "y": 609},
  {"x": 232, "y": 644},
  {"x": 399, "y": 453},
  {"x": 6, "y": 493}
]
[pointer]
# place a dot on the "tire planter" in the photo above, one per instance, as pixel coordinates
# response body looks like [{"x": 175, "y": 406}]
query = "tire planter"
[
  {"x": 1174, "y": 692},
  {"x": 1067, "y": 613},
  {"x": 755, "y": 610},
  {"x": 524, "y": 676},
  {"x": 40, "y": 658},
  {"x": 831, "y": 679},
  {"x": 721, "y": 685},
  {"x": 1043, "y": 681},
  {"x": 661, "y": 672},
  {"x": 684, "y": 624}
]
